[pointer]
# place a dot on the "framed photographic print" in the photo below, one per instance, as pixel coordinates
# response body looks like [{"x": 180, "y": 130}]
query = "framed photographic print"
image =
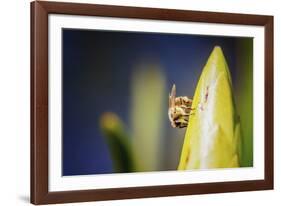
[{"x": 133, "y": 102}]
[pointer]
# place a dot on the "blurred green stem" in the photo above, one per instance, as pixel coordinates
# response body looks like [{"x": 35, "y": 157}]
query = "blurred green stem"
[
  {"x": 118, "y": 142},
  {"x": 147, "y": 115}
]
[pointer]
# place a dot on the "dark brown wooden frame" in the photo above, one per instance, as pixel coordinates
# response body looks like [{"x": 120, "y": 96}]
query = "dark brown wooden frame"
[{"x": 39, "y": 102}]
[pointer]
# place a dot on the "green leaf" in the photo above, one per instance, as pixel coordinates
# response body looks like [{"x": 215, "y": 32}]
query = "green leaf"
[
  {"x": 118, "y": 142},
  {"x": 212, "y": 138},
  {"x": 244, "y": 97}
]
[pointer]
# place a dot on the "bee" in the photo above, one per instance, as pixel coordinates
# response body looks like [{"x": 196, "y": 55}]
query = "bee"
[{"x": 179, "y": 109}]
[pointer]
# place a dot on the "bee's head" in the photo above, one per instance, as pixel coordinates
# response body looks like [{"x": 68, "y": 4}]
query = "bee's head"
[{"x": 176, "y": 116}]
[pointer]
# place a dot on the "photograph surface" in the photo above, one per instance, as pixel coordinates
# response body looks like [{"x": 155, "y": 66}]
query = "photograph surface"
[{"x": 144, "y": 102}]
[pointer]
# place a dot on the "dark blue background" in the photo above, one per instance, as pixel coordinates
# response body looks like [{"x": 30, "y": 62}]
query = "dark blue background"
[{"x": 97, "y": 70}]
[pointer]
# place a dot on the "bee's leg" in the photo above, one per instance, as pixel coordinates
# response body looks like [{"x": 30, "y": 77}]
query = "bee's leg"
[
  {"x": 191, "y": 111},
  {"x": 182, "y": 119},
  {"x": 176, "y": 116},
  {"x": 182, "y": 124},
  {"x": 188, "y": 110},
  {"x": 173, "y": 124},
  {"x": 185, "y": 118}
]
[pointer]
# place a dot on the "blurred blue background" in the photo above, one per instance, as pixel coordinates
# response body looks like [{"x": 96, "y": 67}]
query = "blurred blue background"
[{"x": 99, "y": 70}]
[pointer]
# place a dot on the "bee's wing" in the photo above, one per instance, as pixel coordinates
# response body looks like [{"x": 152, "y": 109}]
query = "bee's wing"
[{"x": 172, "y": 97}]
